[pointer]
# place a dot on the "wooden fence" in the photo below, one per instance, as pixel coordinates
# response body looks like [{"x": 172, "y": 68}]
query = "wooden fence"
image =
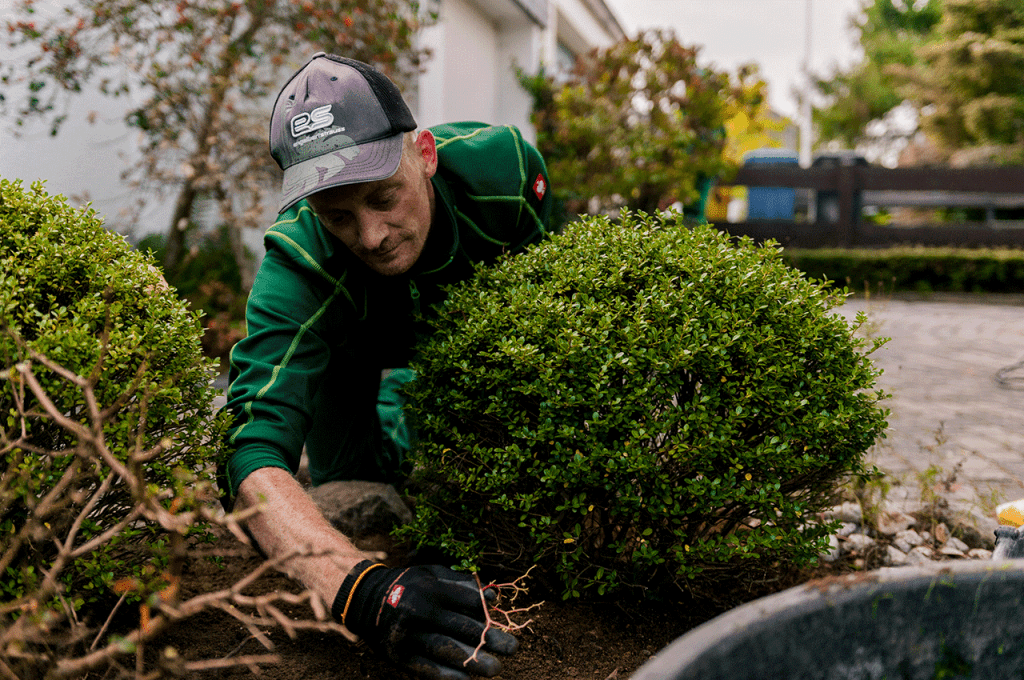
[{"x": 853, "y": 186}]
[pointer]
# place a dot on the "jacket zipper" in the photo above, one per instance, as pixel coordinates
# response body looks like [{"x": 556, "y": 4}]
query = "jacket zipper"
[{"x": 414, "y": 294}]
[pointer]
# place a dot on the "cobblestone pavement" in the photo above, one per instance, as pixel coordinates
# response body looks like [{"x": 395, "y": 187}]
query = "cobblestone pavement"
[{"x": 948, "y": 408}]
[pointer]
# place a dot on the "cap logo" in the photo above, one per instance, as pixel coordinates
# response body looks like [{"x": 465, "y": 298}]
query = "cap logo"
[{"x": 317, "y": 119}]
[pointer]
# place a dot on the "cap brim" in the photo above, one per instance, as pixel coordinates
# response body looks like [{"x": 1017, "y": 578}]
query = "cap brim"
[{"x": 366, "y": 162}]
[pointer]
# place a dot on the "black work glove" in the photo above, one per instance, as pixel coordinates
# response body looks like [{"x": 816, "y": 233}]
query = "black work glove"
[{"x": 426, "y": 619}]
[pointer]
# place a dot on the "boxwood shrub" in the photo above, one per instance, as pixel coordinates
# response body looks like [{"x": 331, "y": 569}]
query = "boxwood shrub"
[
  {"x": 638, "y": 403},
  {"x": 80, "y": 296}
]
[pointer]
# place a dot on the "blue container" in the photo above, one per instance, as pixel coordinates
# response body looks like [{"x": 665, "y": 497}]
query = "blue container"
[{"x": 770, "y": 203}]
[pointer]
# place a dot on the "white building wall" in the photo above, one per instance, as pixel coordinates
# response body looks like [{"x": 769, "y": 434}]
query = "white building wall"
[
  {"x": 477, "y": 45},
  {"x": 471, "y": 72},
  {"x": 572, "y": 23}
]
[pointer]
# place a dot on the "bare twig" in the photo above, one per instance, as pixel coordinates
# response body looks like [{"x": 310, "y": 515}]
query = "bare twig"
[
  {"x": 508, "y": 616},
  {"x": 106, "y": 623},
  {"x": 59, "y": 516},
  {"x": 214, "y": 664}
]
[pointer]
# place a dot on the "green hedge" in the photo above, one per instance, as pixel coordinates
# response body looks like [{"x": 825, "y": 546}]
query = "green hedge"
[
  {"x": 915, "y": 269},
  {"x": 79, "y": 295}
]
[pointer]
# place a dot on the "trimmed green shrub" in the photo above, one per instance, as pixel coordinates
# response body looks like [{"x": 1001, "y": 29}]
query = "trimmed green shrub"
[
  {"x": 638, "y": 404},
  {"x": 922, "y": 270},
  {"x": 77, "y": 295}
]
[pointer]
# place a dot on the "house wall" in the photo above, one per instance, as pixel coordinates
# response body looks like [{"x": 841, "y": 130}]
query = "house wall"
[
  {"x": 573, "y": 23},
  {"x": 477, "y": 46},
  {"x": 470, "y": 75}
]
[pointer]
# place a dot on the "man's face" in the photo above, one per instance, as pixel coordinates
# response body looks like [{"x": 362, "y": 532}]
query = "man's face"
[{"x": 385, "y": 223}]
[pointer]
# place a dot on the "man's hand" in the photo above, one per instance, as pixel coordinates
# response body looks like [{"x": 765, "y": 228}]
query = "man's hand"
[{"x": 425, "y": 619}]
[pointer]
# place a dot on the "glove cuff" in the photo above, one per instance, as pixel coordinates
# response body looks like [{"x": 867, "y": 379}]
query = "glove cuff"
[{"x": 343, "y": 600}]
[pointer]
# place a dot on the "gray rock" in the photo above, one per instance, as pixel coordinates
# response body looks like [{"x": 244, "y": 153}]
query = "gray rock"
[
  {"x": 847, "y": 512},
  {"x": 958, "y": 544},
  {"x": 848, "y": 528},
  {"x": 895, "y": 557},
  {"x": 950, "y": 551},
  {"x": 893, "y": 522},
  {"x": 907, "y": 540},
  {"x": 922, "y": 554},
  {"x": 857, "y": 543},
  {"x": 359, "y": 509},
  {"x": 979, "y": 554},
  {"x": 941, "y": 533}
]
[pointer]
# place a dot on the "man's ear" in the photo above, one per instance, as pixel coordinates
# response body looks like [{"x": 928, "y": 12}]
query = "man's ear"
[{"x": 427, "y": 148}]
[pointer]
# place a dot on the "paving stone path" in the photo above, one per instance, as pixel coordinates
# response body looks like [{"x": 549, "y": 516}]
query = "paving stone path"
[{"x": 948, "y": 409}]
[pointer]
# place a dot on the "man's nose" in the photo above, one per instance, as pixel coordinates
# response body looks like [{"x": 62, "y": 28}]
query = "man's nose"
[{"x": 372, "y": 230}]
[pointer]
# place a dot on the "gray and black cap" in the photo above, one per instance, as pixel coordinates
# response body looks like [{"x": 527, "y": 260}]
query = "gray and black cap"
[{"x": 337, "y": 121}]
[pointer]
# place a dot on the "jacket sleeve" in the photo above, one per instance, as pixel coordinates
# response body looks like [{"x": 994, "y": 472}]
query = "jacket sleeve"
[{"x": 276, "y": 370}]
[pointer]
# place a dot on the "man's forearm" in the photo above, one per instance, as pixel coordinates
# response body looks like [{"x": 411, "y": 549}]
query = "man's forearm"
[{"x": 290, "y": 521}]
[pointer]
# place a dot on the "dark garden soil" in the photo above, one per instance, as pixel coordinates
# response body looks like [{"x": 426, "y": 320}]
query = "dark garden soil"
[{"x": 593, "y": 640}]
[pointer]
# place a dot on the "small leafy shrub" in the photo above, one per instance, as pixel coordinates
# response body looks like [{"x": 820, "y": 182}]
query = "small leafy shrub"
[
  {"x": 105, "y": 409},
  {"x": 638, "y": 404}
]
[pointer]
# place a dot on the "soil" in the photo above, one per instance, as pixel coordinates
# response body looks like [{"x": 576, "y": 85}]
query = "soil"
[
  {"x": 600, "y": 640},
  {"x": 597, "y": 640}
]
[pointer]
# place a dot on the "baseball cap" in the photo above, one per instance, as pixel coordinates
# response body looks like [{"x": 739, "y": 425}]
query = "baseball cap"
[{"x": 336, "y": 121}]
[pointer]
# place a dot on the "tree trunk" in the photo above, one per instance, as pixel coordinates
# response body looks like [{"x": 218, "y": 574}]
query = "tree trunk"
[
  {"x": 246, "y": 270},
  {"x": 175, "y": 249}
]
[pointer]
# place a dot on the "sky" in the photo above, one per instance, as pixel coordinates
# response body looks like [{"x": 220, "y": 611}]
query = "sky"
[
  {"x": 732, "y": 32},
  {"x": 769, "y": 32}
]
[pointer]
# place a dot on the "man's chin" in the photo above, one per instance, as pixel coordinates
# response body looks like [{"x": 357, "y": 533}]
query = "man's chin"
[{"x": 390, "y": 266}]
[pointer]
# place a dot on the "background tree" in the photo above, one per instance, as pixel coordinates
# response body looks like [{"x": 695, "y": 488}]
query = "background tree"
[
  {"x": 890, "y": 32},
  {"x": 970, "y": 80},
  {"x": 200, "y": 76},
  {"x": 639, "y": 124}
]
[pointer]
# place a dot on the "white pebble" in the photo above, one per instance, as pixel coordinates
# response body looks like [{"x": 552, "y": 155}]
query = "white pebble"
[
  {"x": 907, "y": 540},
  {"x": 847, "y": 512},
  {"x": 892, "y": 522},
  {"x": 920, "y": 555},
  {"x": 857, "y": 543},
  {"x": 950, "y": 551},
  {"x": 895, "y": 557},
  {"x": 958, "y": 544},
  {"x": 847, "y": 528}
]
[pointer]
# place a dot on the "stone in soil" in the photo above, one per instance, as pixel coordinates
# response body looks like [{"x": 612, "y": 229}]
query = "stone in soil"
[
  {"x": 359, "y": 509},
  {"x": 893, "y": 522},
  {"x": 907, "y": 540}
]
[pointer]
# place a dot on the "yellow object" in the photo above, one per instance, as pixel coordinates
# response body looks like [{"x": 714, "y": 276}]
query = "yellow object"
[
  {"x": 1011, "y": 514},
  {"x": 717, "y": 209}
]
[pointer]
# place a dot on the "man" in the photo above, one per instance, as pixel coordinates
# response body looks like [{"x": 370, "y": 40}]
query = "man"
[{"x": 375, "y": 219}]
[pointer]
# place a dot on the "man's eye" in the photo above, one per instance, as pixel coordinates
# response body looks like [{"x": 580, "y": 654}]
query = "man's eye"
[{"x": 385, "y": 202}]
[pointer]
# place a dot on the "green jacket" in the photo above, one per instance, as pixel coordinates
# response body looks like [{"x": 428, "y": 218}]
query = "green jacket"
[{"x": 322, "y": 326}]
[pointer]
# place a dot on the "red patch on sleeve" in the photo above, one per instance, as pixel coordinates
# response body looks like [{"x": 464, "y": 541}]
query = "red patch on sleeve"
[
  {"x": 540, "y": 186},
  {"x": 395, "y": 596}
]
